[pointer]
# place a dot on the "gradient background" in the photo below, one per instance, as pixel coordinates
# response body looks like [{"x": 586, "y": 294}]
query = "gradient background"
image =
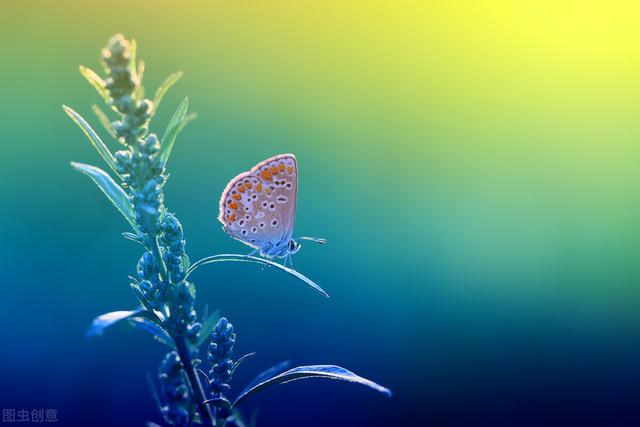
[{"x": 474, "y": 166}]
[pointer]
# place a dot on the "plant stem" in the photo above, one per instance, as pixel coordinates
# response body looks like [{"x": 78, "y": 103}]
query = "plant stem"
[
  {"x": 194, "y": 380},
  {"x": 155, "y": 248}
]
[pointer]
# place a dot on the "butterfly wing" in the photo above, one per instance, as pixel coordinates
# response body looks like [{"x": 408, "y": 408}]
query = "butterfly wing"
[{"x": 258, "y": 207}]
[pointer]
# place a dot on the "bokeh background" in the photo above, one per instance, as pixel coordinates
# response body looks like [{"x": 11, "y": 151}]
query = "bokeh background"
[{"x": 473, "y": 164}]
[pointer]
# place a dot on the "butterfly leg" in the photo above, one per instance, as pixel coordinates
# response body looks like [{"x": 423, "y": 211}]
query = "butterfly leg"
[{"x": 288, "y": 259}]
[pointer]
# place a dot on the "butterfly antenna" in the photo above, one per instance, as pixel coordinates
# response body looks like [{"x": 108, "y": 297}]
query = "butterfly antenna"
[{"x": 314, "y": 239}]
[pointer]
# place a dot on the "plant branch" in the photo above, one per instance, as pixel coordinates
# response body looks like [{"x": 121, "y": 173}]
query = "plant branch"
[{"x": 194, "y": 380}]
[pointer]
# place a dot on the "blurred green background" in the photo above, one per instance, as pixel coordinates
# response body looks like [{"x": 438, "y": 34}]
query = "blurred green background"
[{"x": 473, "y": 165}]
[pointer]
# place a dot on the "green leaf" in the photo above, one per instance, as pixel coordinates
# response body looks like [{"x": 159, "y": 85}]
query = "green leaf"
[
  {"x": 220, "y": 403},
  {"x": 156, "y": 397},
  {"x": 97, "y": 82},
  {"x": 164, "y": 88},
  {"x": 239, "y": 361},
  {"x": 151, "y": 327},
  {"x": 257, "y": 260},
  {"x": 140, "y": 71},
  {"x": 134, "y": 54},
  {"x": 265, "y": 375},
  {"x": 185, "y": 262},
  {"x": 104, "y": 120},
  {"x": 139, "y": 90},
  {"x": 208, "y": 325},
  {"x": 143, "y": 300},
  {"x": 106, "y": 320},
  {"x": 139, "y": 319},
  {"x": 93, "y": 138},
  {"x": 314, "y": 371},
  {"x": 133, "y": 237},
  {"x": 113, "y": 191},
  {"x": 177, "y": 123}
]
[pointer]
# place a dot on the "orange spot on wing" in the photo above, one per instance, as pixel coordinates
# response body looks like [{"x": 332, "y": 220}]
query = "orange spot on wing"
[
  {"x": 236, "y": 196},
  {"x": 274, "y": 170},
  {"x": 281, "y": 167},
  {"x": 232, "y": 218},
  {"x": 290, "y": 170},
  {"x": 266, "y": 174},
  {"x": 259, "y": 188},
  {"x": 241, "y": 189},
  {"x": 233, "y": 205},
  {"x": 249, "y": 185}
]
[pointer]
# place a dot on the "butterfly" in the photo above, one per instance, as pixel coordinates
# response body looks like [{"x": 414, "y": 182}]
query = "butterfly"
[{"x": 258, "y": 207}]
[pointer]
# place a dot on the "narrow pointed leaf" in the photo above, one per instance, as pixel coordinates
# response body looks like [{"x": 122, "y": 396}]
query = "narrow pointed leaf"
[
  {"x": 208, "y": 325},
  {"x": 239, "y": 361},
  {"x": 106, "y": 320},
  {"x": 154, "y": 392},
  {"x": 176, "y": 124},
  {"x": 104, "y": 120},
  {"x": 113, "y": 191},
  {"x": 151, "y": 327},
  {"x": 133, "y": 237},
  {"x": 93, "y": 138},
  {"x": 139, "y": 91},
  {"x": 97, "y": 82},
  {"x": 143, "y": 300},
  {"x": 204, "y": 374},
  {"x": 257, "y": 260},
  {"x": 140, "y": 72},
  {"x": 314, "y": 371},
  {"x": 164, "y": 88},
  {"x": 219, "y": 402},
  {"x": 139, "y": 318},
  {"x": 134, "y": 54},
  {"x": 265, "y": 375}
]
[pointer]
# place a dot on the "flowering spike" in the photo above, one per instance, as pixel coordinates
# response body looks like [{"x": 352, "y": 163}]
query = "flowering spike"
[
  {"x": 174, "y": 390},
  {"x": 220, "y": 356}
]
